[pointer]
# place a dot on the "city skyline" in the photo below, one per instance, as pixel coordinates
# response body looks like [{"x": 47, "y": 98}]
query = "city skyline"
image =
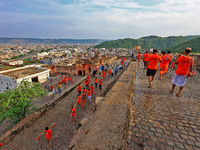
[{"x": 98, "y": 19}]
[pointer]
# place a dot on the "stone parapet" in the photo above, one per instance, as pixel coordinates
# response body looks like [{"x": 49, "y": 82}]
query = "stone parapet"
[{"x": 107, "y": 128}]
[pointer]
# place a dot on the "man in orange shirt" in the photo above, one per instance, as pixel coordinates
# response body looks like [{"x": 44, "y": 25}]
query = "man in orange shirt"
[
  {"x": 164, "y": 65},
  {"x": 169, "y": 55},
  {"x": 100, "y": 84},
  {"x": 145, "y": 56},
  {"x": 79, "y": 89},
  {"x": 84, "y": 92},
  {"x": 96, "y": 82},
  {"x": 152, "y": 63},
  {"x": 48, "y": 135},
  {"x": 139, "y": 58},
  {"x": 185, "y": 64},
  {"x": 91, "y": 88}
]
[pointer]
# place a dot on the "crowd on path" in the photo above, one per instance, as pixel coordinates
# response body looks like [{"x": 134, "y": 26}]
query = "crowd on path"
[
  {"x": 154, "y": 62},
  {"x": 93, "y": 83}
]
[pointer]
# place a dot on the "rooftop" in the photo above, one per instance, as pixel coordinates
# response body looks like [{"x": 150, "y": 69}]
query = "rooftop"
[{"x": 20, "y": 73}]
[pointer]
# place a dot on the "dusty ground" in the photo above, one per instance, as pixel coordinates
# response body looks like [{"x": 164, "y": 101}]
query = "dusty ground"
[{"x": 161, "y": 120}]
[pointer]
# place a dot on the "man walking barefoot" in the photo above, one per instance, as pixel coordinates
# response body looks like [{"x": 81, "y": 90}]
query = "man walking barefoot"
[
  {"x": 185, "y": 64},
  {"x": 152, "y": 66}
]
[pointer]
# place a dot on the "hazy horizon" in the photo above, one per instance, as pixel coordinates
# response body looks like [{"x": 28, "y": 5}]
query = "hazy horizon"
[{"x": 98, "y": 19}]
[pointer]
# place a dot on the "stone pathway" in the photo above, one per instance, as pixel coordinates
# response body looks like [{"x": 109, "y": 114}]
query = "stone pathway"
[{"x": 161, "y": 120}]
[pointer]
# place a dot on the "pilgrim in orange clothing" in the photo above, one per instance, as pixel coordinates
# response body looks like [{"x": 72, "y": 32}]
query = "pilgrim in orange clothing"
[
  {"x": 152, "y": 63},
  {"x": 79, "y": 89},
  {"x": 185, "y": 67},
  {"x": 84, "y": 92},
  {"x": 145, "y": 57},
  {"x": 139, "y": 58},
  {"x": 48, "y": 135},
  {"x": 96, "y": 82},
  {"x": 79, "y": 100},
  {"x": 83, "y": 101},
  {"x": 73, "y": 113},
  {"x": 91, "y": 88},
  {"x": 164, "y": 65}
]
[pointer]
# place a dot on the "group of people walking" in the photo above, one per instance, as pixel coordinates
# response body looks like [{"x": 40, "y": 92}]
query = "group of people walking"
[
  {"x": 154, "y": 62},
  {"x": 89, "y": 86}
]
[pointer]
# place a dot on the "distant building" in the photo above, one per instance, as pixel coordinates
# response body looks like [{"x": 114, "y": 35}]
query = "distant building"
[
  {"x": 9, "y": 79},
  {"x": 137, "y": 48},
  {"x": 12, "y": 62}
]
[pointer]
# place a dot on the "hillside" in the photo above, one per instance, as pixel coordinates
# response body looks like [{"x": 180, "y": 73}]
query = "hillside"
[
  {"x": 49, "y": 41},
  {"x": 194, "y": 44},
  {"x": 146, "y": 42}
]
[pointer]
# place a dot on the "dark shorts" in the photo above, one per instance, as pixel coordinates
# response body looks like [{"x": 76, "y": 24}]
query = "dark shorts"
[
  {"x": 145, "y": 63},
  {"x": 151, "y": 72}
]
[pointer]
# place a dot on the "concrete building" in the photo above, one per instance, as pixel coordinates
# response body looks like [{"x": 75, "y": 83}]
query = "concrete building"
[
  {"x": 9, "y": 79},
  {"x": 6, "y": 83},
  {"x": 12, "y": 62}
]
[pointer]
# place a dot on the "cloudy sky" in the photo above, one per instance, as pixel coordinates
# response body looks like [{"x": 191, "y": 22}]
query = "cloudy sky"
[{"x": 102, "y": 19}]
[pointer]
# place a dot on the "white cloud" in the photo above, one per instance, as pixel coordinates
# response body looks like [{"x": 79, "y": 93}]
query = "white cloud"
[{"x": 113, "y": 18}]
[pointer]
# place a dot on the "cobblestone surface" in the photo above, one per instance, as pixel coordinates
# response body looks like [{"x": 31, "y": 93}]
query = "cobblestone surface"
[
  {"x": 64, "y": 130},
  {"x": 161, "y": 120}
]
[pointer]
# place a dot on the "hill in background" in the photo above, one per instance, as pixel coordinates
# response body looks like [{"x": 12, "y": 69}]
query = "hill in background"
[
  {"x": 194, "y": 44},
  {"x": 49, "y": 41},
  {"x": 162, "y": 43}
]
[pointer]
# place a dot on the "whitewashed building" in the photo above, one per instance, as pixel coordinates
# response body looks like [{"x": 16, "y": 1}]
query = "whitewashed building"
[{"x": 9, "y": 79}]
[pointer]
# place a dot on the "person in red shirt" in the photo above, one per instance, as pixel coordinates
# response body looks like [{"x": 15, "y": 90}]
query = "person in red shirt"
[
  {"x": 91, "y": 88},
  {"x": 69, "y": 78},
  {"x": 84, "y": 92},
  {"x": 48, "y": 135},
  {"x": 87, "y": 83},
  {"x": 124, "y": 59},
  {"x": 169, "y": 55},
  {"x": 88, "y": 77},
  {"x": 164, "y": 65},
  {"x": 104, "y": 74},
  {"x": 145, "y": 56},
  {"x": 89, "y": 95},
  {"x": 152, "y": 63},
  {"x": 109, "y": 72},
  {"x": 79, "y": 89},
  {"x": 100, "y": 84},
  {"x": 96, "y": 82},
  {"x": 185, "y": 64},
  {"x": 139, "y": 58},
  {"x": 79, "y": 100},
  {"x": 83, "y": 101},
  {"x": 51, "y": 88},
  {"x": 73, "y": 113}
]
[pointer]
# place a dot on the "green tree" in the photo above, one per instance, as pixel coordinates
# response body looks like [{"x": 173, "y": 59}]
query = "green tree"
[{"x": 16, "y": 104}]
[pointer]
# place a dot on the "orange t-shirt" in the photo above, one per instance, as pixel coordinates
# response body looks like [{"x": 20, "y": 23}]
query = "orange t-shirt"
[
  {"x": 100, "y": 82},
  {"x": 96, "y": 80},
  {"x": 145, "y": 56},
  {"x": 139, "y": 56},
  {"x": 166, "y": 61},
  {"x": 84, "y": 91},
  {"x": 91, "y": 88},
  {"x": 153, "y": 61},
  {"x": 48, "y": 133},
  {"x": 89, "y": 93},
  {"x": 184, "y": 62},
  {"x": 169, "y": 56}
]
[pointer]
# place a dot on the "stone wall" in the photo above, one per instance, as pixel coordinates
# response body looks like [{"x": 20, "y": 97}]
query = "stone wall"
[{"x": 107, "y": 128}]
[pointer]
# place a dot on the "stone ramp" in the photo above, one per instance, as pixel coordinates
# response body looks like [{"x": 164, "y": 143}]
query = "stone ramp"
[{"x": 106, "y": 128}]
